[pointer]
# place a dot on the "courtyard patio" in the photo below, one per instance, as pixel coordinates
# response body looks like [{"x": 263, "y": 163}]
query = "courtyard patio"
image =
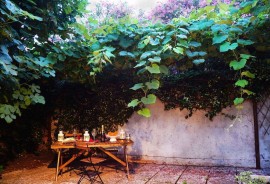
[{"x": 44, "y": 173}]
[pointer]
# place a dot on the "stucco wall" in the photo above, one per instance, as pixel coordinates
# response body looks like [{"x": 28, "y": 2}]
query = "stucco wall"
[{"x": 168, "y": 137}]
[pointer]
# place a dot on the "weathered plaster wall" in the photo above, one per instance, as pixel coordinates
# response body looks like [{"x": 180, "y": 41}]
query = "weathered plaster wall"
[{"x": 168, "y": 137}]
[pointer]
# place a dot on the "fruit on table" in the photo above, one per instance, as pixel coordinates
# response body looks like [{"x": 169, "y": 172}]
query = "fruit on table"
[{"x": 113, "y": 133}]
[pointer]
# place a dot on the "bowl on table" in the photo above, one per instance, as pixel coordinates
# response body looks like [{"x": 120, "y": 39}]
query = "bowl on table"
[{"x": 112, "y": 136}]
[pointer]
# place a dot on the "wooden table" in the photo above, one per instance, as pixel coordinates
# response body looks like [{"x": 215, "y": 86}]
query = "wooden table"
[{"x": 59, "y": 146}]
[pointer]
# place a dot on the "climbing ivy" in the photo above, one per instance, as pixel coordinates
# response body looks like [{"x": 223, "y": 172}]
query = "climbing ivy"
[{"x": 224, "y": 32}]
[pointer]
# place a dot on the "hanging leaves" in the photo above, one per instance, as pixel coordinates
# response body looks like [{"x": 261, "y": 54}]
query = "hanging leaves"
[
  {"x": 242, "y": 83},
  {"x": 133, "y": 103},
  {"x": 145, "y": 112},
  {"x": 219, "y": 38},
  {"x": 228, "y": 46},
  {"x": 153, "y": 69},
  {"x": 238, "y": 101},
  {"x": 154, "y": 84},
  {"x": 237, "y": 65},
  {"x": 137, "y": 86},
  {"x": 150, "y": 99}
]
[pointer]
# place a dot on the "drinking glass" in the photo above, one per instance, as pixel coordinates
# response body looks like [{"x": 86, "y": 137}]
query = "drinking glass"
[{"x": 94, "y": 133}]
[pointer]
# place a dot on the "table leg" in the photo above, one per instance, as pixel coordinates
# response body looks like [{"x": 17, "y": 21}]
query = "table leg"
[
  {"x": 125, "y": 164},
  {"x": 113, "y": 156},
  {"x": 71, "y": 159},
  {"x": 126, "y": 158},
  {"x": 57, "y": 166}
]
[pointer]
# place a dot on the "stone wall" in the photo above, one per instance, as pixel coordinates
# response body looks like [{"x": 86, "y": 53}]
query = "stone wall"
[{"x": 167, "y": 137}]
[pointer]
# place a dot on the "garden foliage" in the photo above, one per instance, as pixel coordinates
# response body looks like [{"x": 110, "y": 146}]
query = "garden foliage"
[
  {"x": 221, "y": 42},
  {"x": 93, "y": 73},
  {"x": 26, "y": 52},
  {"x": 222, "y": 33}
]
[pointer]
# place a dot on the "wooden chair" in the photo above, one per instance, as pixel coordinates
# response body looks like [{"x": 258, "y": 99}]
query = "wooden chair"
[{"x": 87, "y": 162}]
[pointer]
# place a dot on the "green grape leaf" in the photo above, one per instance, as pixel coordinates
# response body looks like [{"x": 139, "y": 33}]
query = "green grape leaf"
[
  {"x": 127, "y": 54},
  {"x": 125, "y": 42},
  {"x": 183, "y": 30},
  {"x": 144, "y": 112},
  {"x": 156, "y": 59},
  {"x": 164, "y": 69},
  {"x": 141, "y": 63},
  {"x": 150, "y": 99},
  {"x": 61, "y": 57},
  {"x": 134, "y": 103},
  {"x": 182, "y": 36},
  {"x": 95, "y": 46},
  {"x": 236, "y": 29},
  {"x": 238, "y": 101},
  {"x": 154, "y": 84},
  {"x": 35, "y": 88},
  {"x": 183, "y": 43},
  {"x": 166, "y": 40},
  {"x": 227, "y": 46},
  {"x": 246, "y": 56},
  {"x": 201, "y": 53},
  {"x": 146, "y": 54},
  {"x": 41, "y": 61},
  {"x": 4, "y": 55},
  {"x": 141, "y": 71},
  {"x": 27, "y": 100},
  {"x": 178, "y": 50},
  {"x": 248, "y": 74},
  {"x": 242, "y": 83},
  {"x": 244, "y": 42},
  {"x": 113, "y": 37},
  {"x": 9, "y": 68},
  {"x": 8, "y": 119},
  {"x": 194, "y": 44},
  {"x": 238, "y": 65},
  {"x": 219, "y": 38},
  {"x": 147, "y": 40},
  {"x": 154, "y": 41},
  {"x": 153, "y": 69},
  {"x": 108, "y": 54},
  {"x": 191, "y": 54},
  {"x": 141, "y": 45},
  {"x": 219, "y": 27},
  {"x": 38, "y": 99},
  {"x": 248, "y": 92},
  {"x": 198, "y": 61},
  {"x": 137, "y": 86}
]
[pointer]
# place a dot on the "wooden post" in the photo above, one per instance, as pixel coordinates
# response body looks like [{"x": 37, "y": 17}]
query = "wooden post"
[
  {"x": 256, "y": 135},
  {"x": 57, "y": 165}
]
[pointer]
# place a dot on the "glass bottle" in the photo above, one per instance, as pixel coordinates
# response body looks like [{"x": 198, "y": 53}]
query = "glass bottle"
[
  {"x": 122, "y": 134},
  {"x": 60, "y": 136},
  {"x": 103, "y": 136},
  {"x": 86, "y": 136},
  {"x": 128, "y": 137}
]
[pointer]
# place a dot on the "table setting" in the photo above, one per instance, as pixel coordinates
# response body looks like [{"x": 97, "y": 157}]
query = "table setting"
[{"x": 93, "y": 136}]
